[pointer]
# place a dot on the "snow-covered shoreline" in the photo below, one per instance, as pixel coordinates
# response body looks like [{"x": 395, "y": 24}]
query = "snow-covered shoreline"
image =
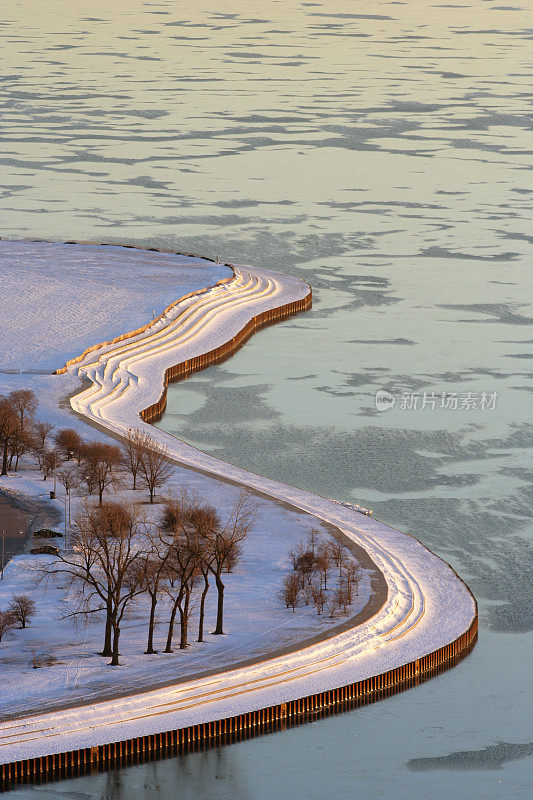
[
  {"x": 96, "y": 292},
  {"x": 427, "y": 606}
]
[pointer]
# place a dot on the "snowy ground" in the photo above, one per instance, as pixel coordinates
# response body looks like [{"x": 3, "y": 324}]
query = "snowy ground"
[
  {"x": 61, "y": 298},
  {"x": 65, "y": 649},
  {"x": 427, "y": 605}
]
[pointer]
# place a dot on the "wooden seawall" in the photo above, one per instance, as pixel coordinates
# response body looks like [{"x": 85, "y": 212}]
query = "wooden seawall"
[
  {"x": 243, "y": 726},
  {"x": 180, "y": 371}
]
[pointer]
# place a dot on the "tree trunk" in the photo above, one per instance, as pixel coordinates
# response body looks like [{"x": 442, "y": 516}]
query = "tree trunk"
[
  {"x": 202, "y": 607},
  {"x": 107, "y": 651},
  {"x": 152, "y": 490},
  {"x": 184, "y": 620},
  {"x": 114, "y": 657},
  {"x": 220, "y": 606},
  {"x": 168, "y": 648},
  {"x": 4, "y": 459},
  {"x": 150, "y": 645},
  {"x": 100, "y": 494}
]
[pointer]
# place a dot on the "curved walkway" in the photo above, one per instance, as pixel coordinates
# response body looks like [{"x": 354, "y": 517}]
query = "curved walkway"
[{"x": 427, "y": 606}]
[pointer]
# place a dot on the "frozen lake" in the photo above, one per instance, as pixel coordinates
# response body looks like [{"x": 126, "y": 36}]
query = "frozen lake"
[{"x": 382, "y": 154}]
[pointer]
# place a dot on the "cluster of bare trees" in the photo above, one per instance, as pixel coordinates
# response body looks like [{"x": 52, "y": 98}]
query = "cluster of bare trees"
[
  {"x": 117, "y": 556},
  {"x": 323, "y": 573},
  {"x": 102, "y": 466},
  {"x": 17, "y": 426},
  {"x": 144, "y": 458},
  {"x": 21, "y": 433},
  {"x": 19, "y": 613},
  {"x": 64, "y": 455}
]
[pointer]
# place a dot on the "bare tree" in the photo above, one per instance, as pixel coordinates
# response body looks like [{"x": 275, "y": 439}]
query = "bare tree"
[
  {"x": 7, "y": 621},
  {"x": 51, "y": 462},
  {"x": 132, "y": 451},
  {"x": 205, "y": 522},
  {"x": 318, "y": 595},
  {"x": 338, "y": 555},
  {"x": 312, "y": 540},
  {"x": 185, "y": 524},
  {"x": 204, "y": 546},
  {"x": 323, "y": 563},
  {"x": 87, "y": 477},
  {"x": 224, "y": 542},
  {"x": 296, "y": 554},
  {"x": 100, "y": 467},
  {"x": 22, "y": 441},
  {"x": 182, "y": 565},
  {"x": 153, "y": 573},
  {"x": 303, "y": 561},
  {"x": 104, "y": 564},
  {"x": 342, "y": 563},
  {"x": 305, "y": 566},
  {"x": 353, "y": 576},
  {"x": 67, "y": 478},
  {"x": 290, "y": 590},
  {"x": 69, "y": 442},
  {"x": 176, "y": 510},
  {"x": 156, "y": 469},
  {"x": 25, "y": 404},
  {"x": 22, "y": 608},
  {"x": 346, "y": 587},
  {"x": 173, "y": 588},
  {"x": 306, "y": 591},
  {"x": 42, "y": 431},
  {"x": 39, "y": 453},
  {"x": 234, "y": 556},
  {"x": 9, "y": 427},
  {"x": 342, "y": 598},
  {"x": 332, "y": 604}
]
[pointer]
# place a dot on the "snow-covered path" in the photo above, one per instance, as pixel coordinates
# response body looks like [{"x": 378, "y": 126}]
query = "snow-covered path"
[{"x": 427, "y": 606}]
